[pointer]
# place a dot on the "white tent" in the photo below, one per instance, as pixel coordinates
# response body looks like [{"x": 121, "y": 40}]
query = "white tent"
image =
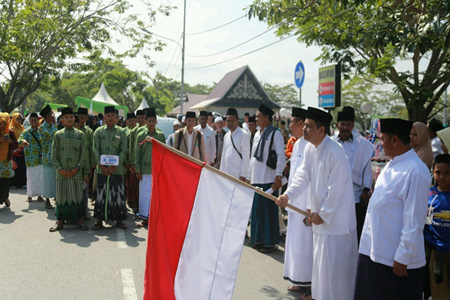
[
  {"x": 143, "y": 105},
  {"x": 102, "y": 96}
]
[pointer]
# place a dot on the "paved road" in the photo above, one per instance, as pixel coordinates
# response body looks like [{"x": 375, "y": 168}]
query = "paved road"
[{"x": 105, "y": 264}]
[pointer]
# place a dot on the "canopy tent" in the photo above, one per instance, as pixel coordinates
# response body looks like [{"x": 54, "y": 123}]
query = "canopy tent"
[
  {"x": 54, "y": 106},
  {"x": 99, "y": 107},
  {"x": 143, "y": 105},
  {"x": 98, "y": 103}
]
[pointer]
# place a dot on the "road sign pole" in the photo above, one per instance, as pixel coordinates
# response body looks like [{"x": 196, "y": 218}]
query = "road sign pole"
[{"x": 300, "y": 96}]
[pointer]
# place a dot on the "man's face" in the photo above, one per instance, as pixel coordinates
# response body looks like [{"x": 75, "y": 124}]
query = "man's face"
[
  {"x": 176, "y": 127},
  {"x": 345, "y": 129},
  {"x": 246, "y": 119},
  {"x": 50, "y": 118},
  {"x": 311, "y": 132},
  {"x": 252, "y": 127},
  {"x": 68, "y": 120},
  {"x": 261, "y": 119},
  {"x": 387, "y": 143},
  {"x": 151, "y": 123},
  {"x": 77, "y": 125},
  {"x": 190, "y": 122},
  {"x": 219, "y": 125},
  {"x": 110, "y": 119},
  {"x": 296, "y": 127},
  {"x": 140, "y": 119},
  {"x": 131, "y": 122},
  {"x": 232, "y": 122},
  {"x": 210, "y": 120},
  {"x": 34, "y": 122},
  {"x": 203, "y": 120},
  {"x": 83, "y": 119}
]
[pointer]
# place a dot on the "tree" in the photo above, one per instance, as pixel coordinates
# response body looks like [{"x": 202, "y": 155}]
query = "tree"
[
  {"x": 371, "y": 36},
  {"x": 285, "y": 96},
  {"x": 41, "y": 38}
]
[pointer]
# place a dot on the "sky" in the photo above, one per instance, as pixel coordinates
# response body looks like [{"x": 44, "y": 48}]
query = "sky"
[{"x": 274, "y": 64}]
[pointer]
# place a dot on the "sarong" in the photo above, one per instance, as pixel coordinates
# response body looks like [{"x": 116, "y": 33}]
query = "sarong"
[
  {"x": 48, "y": 181},
  {"x": 334, "y": 265},
  {"x": 116, "y": 209},
  {"x": 377, "y": 281},
  {"x": 34, "y": 181},
  {"x": 69, "y": 199},
  {"x": 264, "y": 226},
  {"x": 145, "y": 194},
  {"x": 20, "y": 178}
]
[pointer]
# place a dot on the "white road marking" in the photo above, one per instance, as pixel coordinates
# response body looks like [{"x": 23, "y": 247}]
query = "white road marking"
[
  {"x": 121, "y": 240},
  {"x": 129, "y": 290}
]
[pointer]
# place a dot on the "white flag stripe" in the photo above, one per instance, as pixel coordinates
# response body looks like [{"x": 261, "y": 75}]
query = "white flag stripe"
[{"x": 214, "y": 239}]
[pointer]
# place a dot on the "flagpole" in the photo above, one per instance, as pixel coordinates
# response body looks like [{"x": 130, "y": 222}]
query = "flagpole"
[{"x": 234, "y": 179}]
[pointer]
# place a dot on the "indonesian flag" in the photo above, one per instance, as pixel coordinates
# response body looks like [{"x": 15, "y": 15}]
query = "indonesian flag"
[{"x": 197, "y": 223}]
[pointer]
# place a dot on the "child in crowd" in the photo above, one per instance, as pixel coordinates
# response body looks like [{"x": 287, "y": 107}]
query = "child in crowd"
[{"x": 437, "y": 229}]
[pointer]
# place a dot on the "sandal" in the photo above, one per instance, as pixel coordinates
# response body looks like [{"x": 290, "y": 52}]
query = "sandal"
[
  {"x": 48, "y": 204},
  {"x": 83, "y": 226},
  {"x": 97, "y": 226},
  {"x": 142, "y": 224},
  {"x": 121, "y": 225},
  {"x": 293, "y": 288},
  {"x": 7, "y": 203},
  {"x": 57, "y": 227},
  {"x": 29, "y": 199},
  {"x": 40, "y": 199},
  {"x": 268, "y": 249}
]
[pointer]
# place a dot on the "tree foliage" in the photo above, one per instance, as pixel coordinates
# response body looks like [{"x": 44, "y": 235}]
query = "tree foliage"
[
  {"x": 42, "y": 38},
  {"x": 285, "y": 96},
  {"x": 372, "y": 36}
]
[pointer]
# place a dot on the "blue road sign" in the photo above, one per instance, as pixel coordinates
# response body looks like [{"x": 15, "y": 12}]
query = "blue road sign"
[{"x": 299, "y": 75}]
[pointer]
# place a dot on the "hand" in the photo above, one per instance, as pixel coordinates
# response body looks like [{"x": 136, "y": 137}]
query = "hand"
[
  {"x": 400, "y": 269},
  {"x": 277, "y": 184},
  {"x": 316, "y": 219},
  {"x": 112, "y": 170},
  {"x": 242, "y": 178},
  {"x": 282, "y": 201},
  {"x": 365, "y": 197},
  {"x": 25, "y": 143},
  {"x": 139, "y": 176},
  {"x": 248, "y": 181},
  {"x": 133, "y": 169}
]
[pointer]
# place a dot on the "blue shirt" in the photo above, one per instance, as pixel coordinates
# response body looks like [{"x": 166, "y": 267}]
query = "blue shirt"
[{"x": 438, "y": 233}]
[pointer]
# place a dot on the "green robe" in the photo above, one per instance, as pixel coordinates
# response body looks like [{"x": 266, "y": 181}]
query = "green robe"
[{"x": 143, "y": 152}]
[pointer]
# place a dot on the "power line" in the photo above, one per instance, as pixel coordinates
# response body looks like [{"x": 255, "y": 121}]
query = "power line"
[
  {"x": 268, "y": 45},
  {"x": 245, "y": 54},
  {"x": 220, "y": 26}
]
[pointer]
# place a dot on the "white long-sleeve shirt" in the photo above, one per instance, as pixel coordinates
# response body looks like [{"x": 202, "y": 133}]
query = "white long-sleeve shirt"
[
  {"x": 231, "y": 163},
  {"x": 326, "y": 171},
  {"x": 259, "y": 172},
  {"x": 357, "y": 147},
  {"x": 297, "y": 156},
  {"x": 393, "y": 229},
  {"x": 210, "y": 142}
]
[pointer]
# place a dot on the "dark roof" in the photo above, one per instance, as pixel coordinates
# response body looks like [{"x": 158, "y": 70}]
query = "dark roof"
[{"x": 191, "y": 100}]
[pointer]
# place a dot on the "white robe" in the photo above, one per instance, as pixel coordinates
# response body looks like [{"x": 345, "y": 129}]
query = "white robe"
[
  {"x": 231, "y": 163},
  {"x": 326, "y": 171},
  {"x": 210, "y": 142},
  {"x": 393, "y": 229},
  {"x": 145, "y": 194},
  {"x": 298, "y": 253}
]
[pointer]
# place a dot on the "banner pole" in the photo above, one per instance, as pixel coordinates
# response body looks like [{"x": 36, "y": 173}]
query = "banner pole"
[{"x": 229, "y": 177}]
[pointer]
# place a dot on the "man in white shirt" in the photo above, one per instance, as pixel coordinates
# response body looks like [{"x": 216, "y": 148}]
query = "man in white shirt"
[
  {"x": 208, "y": 134},
  {"x": 325, "y": 170},
  {"x": 391, "y": 251},
  {"x": 236, "y": 148},
  {"x": 436, "y": 145},
  {"x": 298, "y": 253},
  {"x": 359, "y": 152},
  {"x": 265, "y": 227},
  {"x": 245, "y": 124}
]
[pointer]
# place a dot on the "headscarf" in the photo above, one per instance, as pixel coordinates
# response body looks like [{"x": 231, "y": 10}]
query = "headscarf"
[
  {"x": 4, "y": 147},
  {"x": 16, "y": 127},
  {"x": 423, "y": 148},
  {"x": 444, "y": 135}
]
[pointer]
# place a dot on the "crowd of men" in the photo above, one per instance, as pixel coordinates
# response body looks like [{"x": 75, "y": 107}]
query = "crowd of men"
[{"x": 329, "y": 177}]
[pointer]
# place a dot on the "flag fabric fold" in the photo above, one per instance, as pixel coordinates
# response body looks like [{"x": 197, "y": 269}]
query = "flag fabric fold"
[{"x": 196, "y": 231}]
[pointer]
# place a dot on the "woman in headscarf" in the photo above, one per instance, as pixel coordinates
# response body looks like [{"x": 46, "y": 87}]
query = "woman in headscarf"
[
  {"x": 420, "y": 141},
  {"x": 8, "y": 143},
  {"x": 93, "y": 122},
  {"x": 20, "y": 177}
]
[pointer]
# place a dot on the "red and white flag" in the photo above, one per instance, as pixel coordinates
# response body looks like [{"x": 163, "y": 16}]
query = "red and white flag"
[{"x": 196, "y": 230}]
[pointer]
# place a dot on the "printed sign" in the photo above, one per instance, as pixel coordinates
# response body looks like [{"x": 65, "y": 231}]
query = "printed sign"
[{"x": 109, "y": 160}]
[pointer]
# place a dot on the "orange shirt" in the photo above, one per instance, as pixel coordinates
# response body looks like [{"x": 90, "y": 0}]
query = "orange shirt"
[{"x": 290, "y": 146}]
